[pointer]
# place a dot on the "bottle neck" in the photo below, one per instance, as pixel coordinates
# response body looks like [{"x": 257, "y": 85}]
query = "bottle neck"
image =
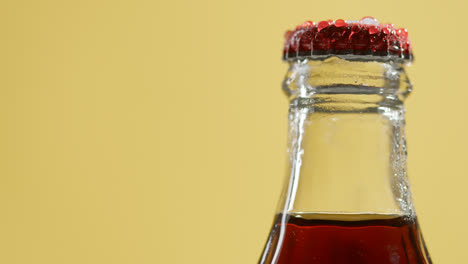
[{"x": 346, "y": 138}]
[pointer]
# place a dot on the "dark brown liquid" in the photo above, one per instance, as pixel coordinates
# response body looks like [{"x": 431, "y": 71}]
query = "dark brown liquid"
[{"x": 311, "y": 241}]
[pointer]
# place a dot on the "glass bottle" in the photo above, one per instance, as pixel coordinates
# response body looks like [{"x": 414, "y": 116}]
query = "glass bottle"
[{"x": 347, "y": 199}]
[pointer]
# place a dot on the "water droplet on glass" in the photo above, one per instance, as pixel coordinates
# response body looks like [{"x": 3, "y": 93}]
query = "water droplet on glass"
[
  {"x": 340, "y": 23},
  {"x": 373, "y": 30},
  {"x": 323, "y": 24},
  {"x": 369, "y": 21}
]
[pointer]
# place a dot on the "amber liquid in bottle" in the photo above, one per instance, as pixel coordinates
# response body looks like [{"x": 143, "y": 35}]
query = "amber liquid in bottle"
[{"x": 316, "y": 239}]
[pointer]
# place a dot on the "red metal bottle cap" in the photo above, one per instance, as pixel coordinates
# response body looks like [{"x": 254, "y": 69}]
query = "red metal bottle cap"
[{"x": 365, "y": 39}]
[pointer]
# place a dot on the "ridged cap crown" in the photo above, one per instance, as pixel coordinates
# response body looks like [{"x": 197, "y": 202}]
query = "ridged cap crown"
[{"x": 365, "y": 39}]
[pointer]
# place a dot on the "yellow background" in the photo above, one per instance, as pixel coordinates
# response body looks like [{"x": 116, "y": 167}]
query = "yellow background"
[{"x": 155, "y": 131}]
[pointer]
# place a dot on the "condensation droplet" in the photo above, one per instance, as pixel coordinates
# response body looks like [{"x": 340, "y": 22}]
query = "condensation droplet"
[{"x": 369, "y": 21}]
